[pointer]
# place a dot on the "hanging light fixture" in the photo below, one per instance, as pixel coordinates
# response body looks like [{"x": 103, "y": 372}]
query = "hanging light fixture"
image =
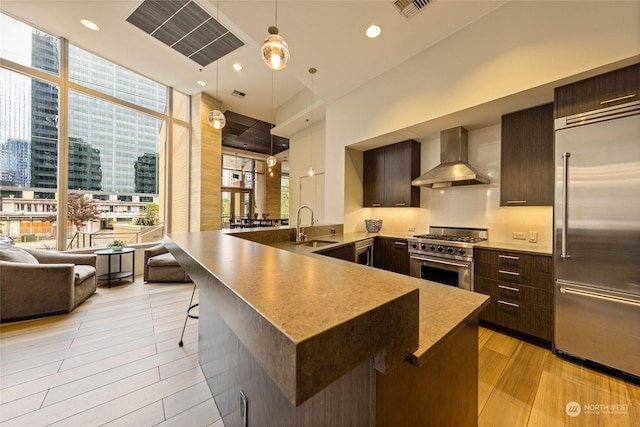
[
  {"x": 275, "y": 51},
  {"x": 311, "y": 170},
  {"x": 271, "y": 161},
  {"x": 215, "y": 118}
]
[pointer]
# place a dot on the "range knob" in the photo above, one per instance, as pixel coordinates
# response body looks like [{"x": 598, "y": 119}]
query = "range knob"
[
  {"x": 423, "y": 246},
  {"x": 432, "y": 247},
  {"x": 462, "y": 252},
  {"x": 440, "y": 249},
  {"x": 414, "y": 245},
  {"x": 450, "y": 250}
]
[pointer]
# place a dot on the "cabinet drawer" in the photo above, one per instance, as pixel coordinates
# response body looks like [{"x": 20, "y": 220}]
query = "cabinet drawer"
[
  {"x": 531, "y": 278},
  {"x": 530, "y": 319},
  {"x": 514, "y": 260},
  {"x": 514, "y": 292}
]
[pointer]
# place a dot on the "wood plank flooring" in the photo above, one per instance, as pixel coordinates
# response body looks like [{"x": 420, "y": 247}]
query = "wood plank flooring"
[
  {"x": 521, "y": 384},
  {"x": 115, "y": 361}
]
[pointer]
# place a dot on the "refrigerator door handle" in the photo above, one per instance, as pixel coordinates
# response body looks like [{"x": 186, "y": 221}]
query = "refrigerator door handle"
[
  {"x": 565, "y": 208},
  {"x": 588, "y": 294}
]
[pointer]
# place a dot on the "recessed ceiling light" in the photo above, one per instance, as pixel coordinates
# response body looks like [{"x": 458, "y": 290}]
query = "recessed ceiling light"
[
  {"x": 373, "y": 31},
  {"x": 201, "y": 83},
  {"x": 237, "y": 67},
  {"x": 90, "y": 24}
]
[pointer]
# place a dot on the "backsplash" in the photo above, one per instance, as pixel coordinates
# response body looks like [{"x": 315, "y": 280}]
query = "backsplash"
[{"x": 464, "y": 206}]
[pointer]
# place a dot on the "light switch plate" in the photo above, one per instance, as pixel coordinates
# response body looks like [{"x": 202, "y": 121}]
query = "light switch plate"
[
  {"x": 411, "y": 228},
  {"x": 519, "y": 235},
  {"x": 532, "y": 236}
]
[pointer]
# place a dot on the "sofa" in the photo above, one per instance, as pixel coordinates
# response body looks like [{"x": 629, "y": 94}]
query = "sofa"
[
  {"x": 161, "y": 266},
  {"x": 41, "y": 283}
]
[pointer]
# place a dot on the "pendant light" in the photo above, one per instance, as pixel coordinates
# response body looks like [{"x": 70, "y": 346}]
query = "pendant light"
[
  {"x": 271, "y": 161},
  {"x": 215, "y": 118},
  {"x": 311, "y": 170},
  {"x": 275, "y": 51}
]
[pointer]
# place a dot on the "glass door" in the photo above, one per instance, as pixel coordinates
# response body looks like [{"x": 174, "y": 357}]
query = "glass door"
[{"x": 237, "y": 205}]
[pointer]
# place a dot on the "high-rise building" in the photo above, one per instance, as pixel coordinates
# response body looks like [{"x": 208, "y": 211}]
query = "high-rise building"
[
  {"x": 44, "y": 113},
  {"x": 15, "y": 163},
  {"x": 85, "y": 172},
  {"x": 106, "y": 140},
  {"x": 146, "y": 168}
]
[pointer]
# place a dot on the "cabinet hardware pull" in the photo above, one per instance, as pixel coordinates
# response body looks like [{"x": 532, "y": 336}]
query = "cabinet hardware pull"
[
  {"x": 509, "y": 288},
  {"x": 608, "y": 101},
  {"x": 565, "y": 208},
  {"x": 511, "y": 304},
  {"x": 400, "y": 243},
  {"x": 513, "y": 273},
  {"x": 401, "y": 204},
  {"x": 375, "y": 204},
  {"x": 516, "y": 202},
  {"x": 508, "y": 257}
]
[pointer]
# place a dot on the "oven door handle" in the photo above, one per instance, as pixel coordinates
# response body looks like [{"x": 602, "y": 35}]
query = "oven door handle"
[{"x": 438, "y": 261}]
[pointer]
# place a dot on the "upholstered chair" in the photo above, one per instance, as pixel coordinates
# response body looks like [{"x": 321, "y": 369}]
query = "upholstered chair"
[
  {"x": 161, "y": 266},
  {"x": 42, "y": 283}
]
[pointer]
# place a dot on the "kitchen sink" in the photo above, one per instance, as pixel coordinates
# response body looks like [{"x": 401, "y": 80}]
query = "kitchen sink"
[{"x": 316, "y": 243}]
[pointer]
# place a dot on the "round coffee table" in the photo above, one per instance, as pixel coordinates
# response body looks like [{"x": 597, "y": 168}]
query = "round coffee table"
[{"x": 117, "y": 275}]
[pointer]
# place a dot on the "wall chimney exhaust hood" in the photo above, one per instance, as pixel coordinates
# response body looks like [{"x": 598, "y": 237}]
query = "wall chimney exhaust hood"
[{"x": 454, "y": 168}]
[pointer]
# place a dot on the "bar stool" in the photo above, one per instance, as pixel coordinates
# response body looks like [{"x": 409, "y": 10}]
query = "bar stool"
[{"x": 189, "y": 315}]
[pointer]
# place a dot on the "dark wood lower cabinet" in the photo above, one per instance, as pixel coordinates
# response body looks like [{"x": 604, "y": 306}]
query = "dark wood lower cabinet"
[
  {"x": 441, "y": 392},
  {"x": 391, "y": 255},
  {"x": 521, "y": 289},
  {"x": 346, "y": 252}
]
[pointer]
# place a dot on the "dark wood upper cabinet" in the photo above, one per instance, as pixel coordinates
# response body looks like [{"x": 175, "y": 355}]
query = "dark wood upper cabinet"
[
  {"x": 388, "y": 172},
  {"x": 526, "y": 163},
  {"x": 373, "y": 177},
  {"x": 606, "y": 90}
]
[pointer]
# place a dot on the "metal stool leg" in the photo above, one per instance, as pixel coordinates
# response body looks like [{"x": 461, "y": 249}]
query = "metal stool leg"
[{"x": 189, "y": 315}]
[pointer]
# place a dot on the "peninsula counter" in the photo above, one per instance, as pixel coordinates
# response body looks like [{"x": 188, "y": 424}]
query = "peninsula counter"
[{"x": 314, "y": 341}]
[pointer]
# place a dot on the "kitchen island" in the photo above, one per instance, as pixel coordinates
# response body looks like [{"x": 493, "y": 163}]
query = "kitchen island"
[{"x": 306, "y": 340}]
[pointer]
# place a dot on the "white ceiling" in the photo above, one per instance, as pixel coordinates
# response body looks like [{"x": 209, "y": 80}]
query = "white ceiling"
[{"x": 325, "y": 34}]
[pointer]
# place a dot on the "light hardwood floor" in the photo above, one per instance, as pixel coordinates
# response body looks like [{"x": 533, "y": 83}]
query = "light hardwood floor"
[{"x": 115, "y": 361}]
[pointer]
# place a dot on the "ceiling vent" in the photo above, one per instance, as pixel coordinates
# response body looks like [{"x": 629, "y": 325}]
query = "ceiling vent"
[
  {"x": 408, "y": 8},
  {"x": 238, "y": 94},
  {"x": 185, "y": 27}
]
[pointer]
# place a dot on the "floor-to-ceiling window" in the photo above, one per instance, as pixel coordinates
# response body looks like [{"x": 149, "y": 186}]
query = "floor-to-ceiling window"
[{"x": 109, "y": 143}]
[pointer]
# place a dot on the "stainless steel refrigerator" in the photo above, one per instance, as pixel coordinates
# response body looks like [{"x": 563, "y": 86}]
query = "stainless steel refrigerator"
[{"x": 597, "y": 236}]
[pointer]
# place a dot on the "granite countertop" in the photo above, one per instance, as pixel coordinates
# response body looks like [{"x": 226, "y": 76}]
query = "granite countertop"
[
  {"x": 519, "y": 247},
  {"x": 305, "y": 319},
  {"x": 442, "y": 308},
  {"x": 309, "y": 319}
]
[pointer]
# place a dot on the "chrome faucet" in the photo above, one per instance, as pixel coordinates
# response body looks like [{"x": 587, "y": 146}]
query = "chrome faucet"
[{"x": 300, "y": 236}]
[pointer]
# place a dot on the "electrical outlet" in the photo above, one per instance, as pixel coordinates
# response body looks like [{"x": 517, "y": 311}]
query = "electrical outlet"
[
  {"x": 411, "y": 228},
  {"x": 519, "y": 235},
  {"x": 244, "y": 409},
  {"x": 532, "y": 236}
]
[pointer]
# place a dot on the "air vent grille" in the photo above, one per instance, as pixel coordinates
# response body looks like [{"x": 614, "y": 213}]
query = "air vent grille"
[
  {"x": 238, "y": 94},
  {"x": 185, "y": 27},
  {"x": 409, "y": 8}
]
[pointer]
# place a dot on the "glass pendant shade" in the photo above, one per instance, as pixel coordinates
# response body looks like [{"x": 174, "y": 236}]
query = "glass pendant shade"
[
  {"x": 216, "y": 119},
  {"x": 271, "y": 161},
  {"x": 275, "y": 51}
]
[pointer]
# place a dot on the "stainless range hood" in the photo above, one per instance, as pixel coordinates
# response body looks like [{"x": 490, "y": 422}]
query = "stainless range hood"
[{"x": 453, "y": 169}]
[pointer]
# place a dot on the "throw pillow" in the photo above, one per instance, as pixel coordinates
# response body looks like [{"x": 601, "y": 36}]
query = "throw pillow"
[{"x": 13, "y": 254}]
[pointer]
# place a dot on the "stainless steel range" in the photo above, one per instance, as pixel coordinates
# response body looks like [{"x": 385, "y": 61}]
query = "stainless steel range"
[{"x": 445, "y": 255}]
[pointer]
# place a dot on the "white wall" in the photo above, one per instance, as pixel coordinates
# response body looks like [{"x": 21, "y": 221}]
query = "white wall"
[
  {"x": 464, "y": 206},
  {"x": 301, "y": 156},
  {"x": 520, "y": 46}
]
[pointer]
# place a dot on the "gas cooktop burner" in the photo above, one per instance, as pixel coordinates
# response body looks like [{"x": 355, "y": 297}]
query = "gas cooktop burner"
[{"x": 449, "y": 238}]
